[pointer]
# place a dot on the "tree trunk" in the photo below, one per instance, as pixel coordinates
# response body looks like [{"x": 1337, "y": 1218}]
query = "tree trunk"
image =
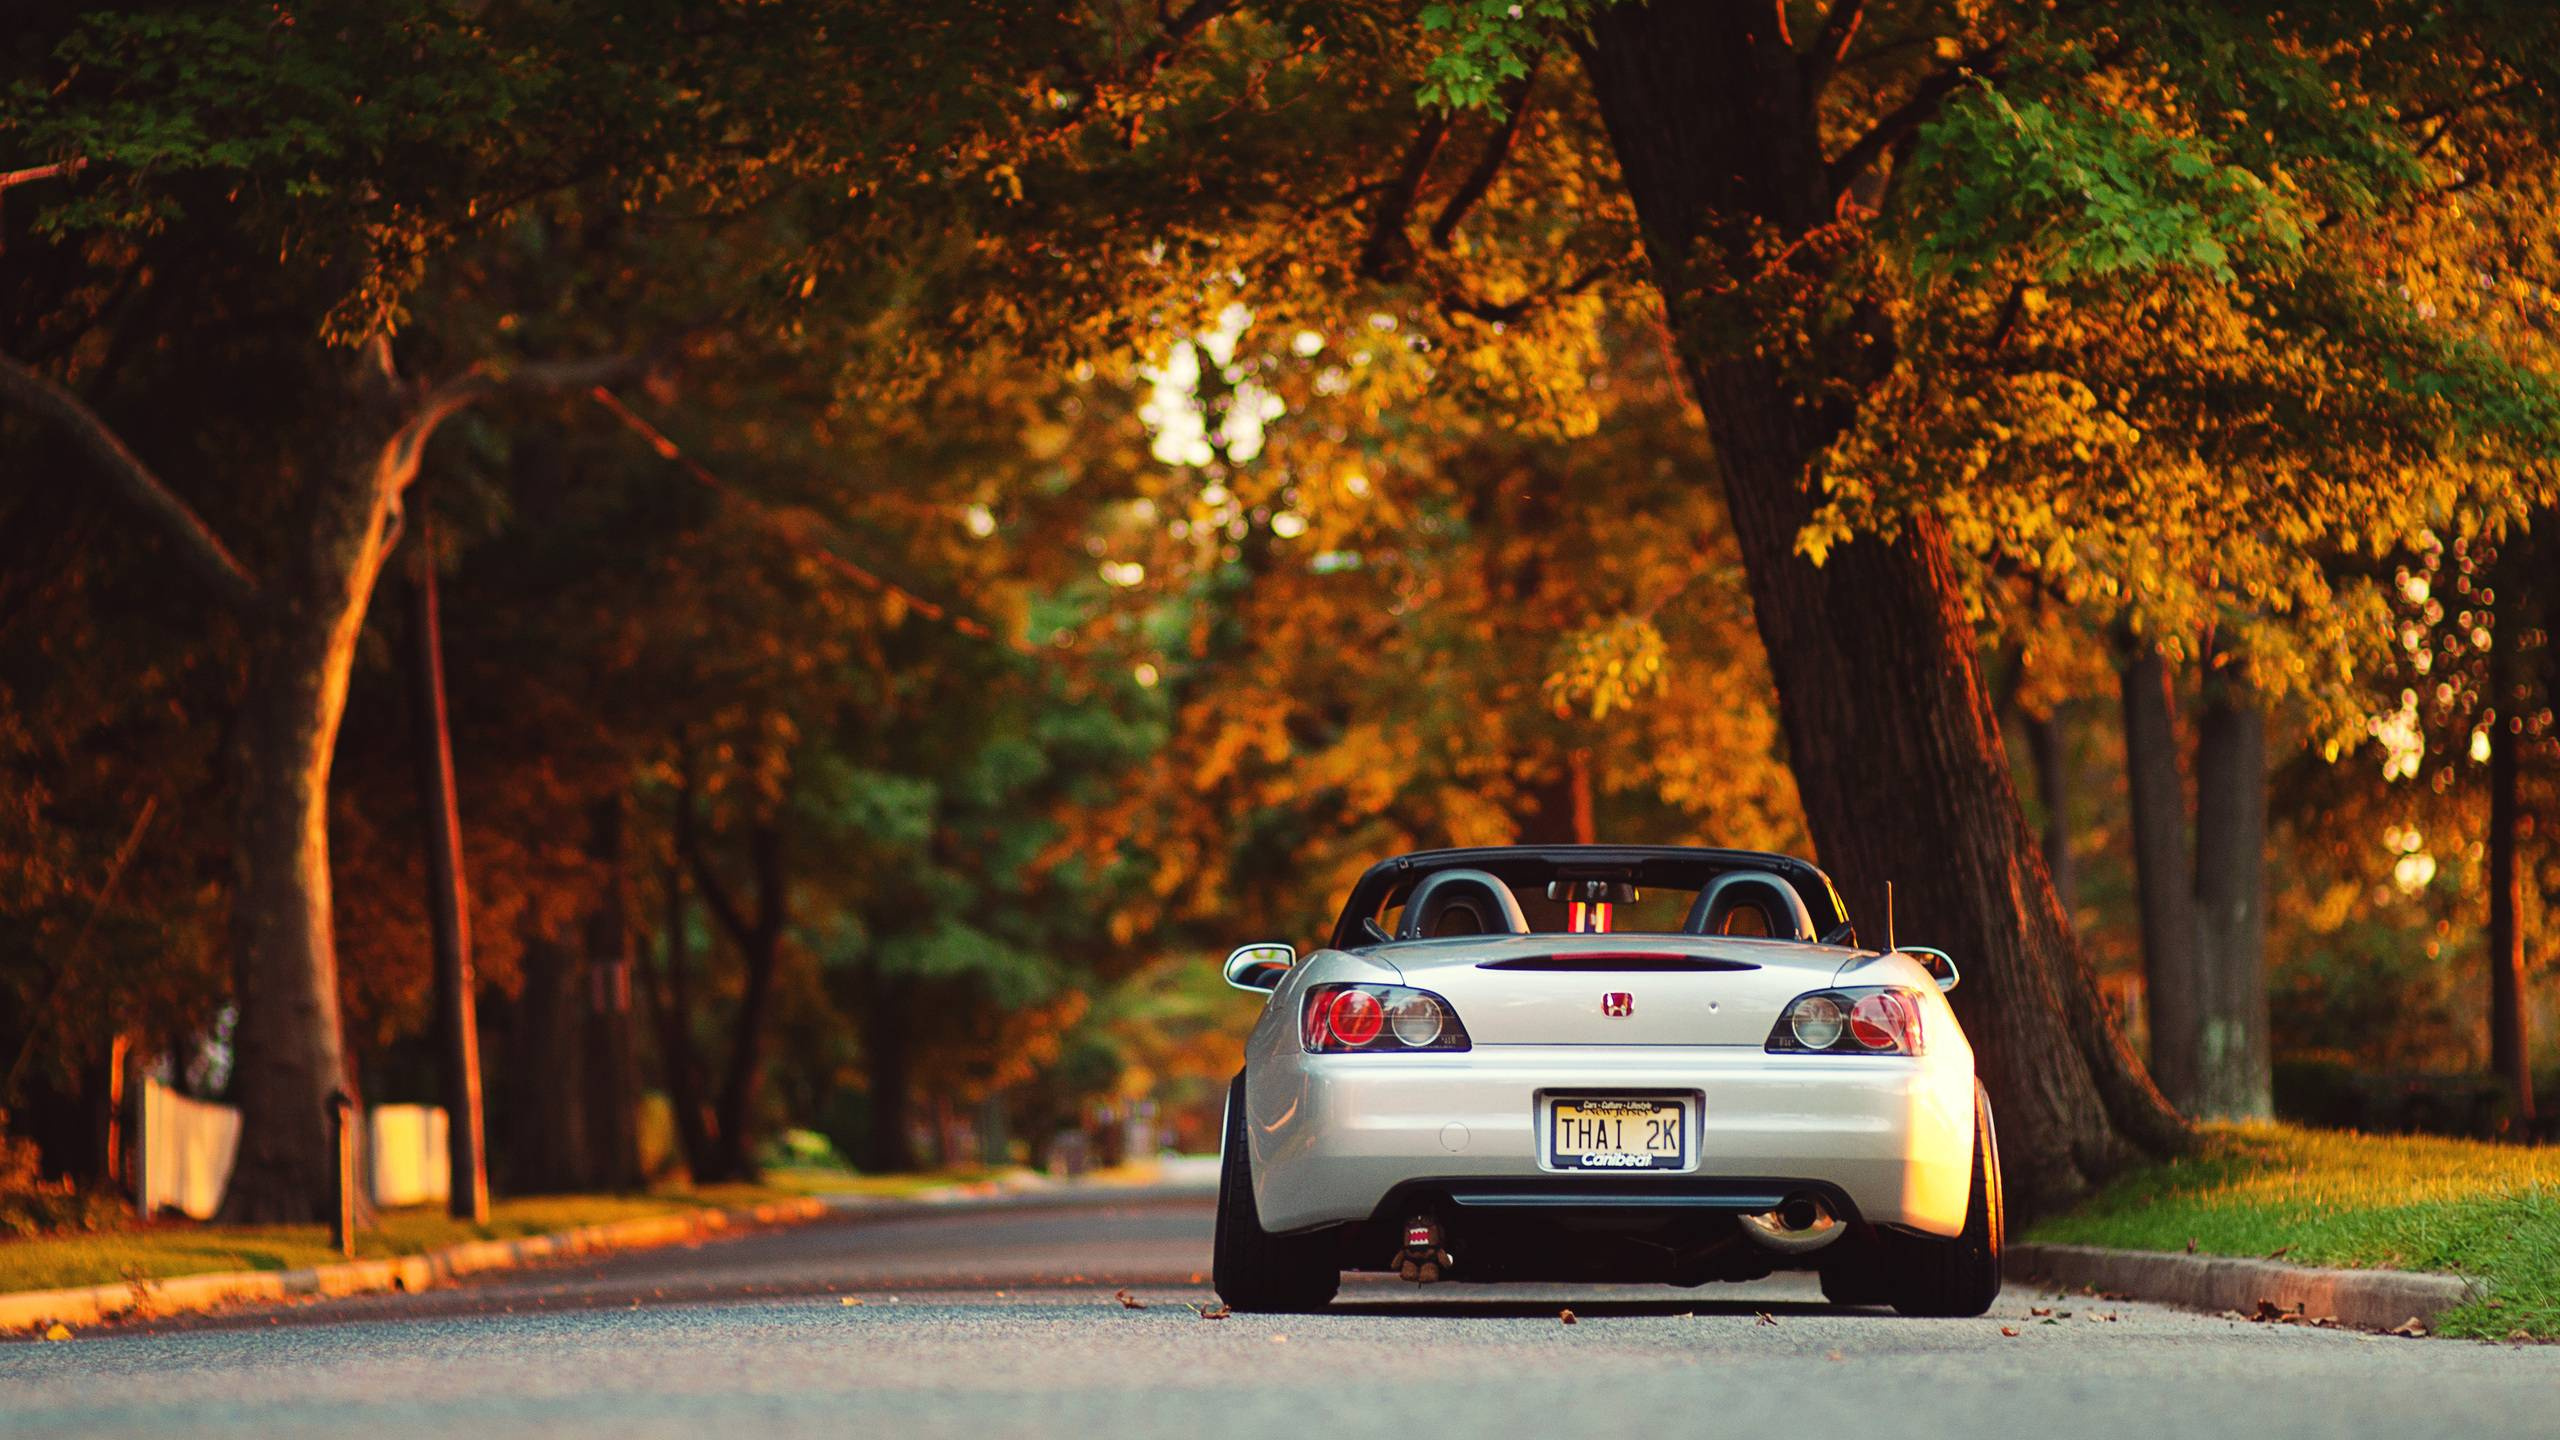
[
  {"x": 448, "y": 896},
  {"x": 2510, "y": 1050},
  {"x": 612, "y": 1086},
  {"x": 887, "y": 1058},
  {"x": 1892, "y": 733},
  {"x": 671, "y": 996},
  {"x": 2234, "y": 1061},
  {"x": 1557, "y": 810},
  {"x": 671, "y": 1008},
  {"x": 2048, "y": 752},
  {"x": 546, "y": 1116},
  {"x": 291, "y": 1049},
  {"x": 761, "y": 949},
  {"x": 2164, "y": 876}
]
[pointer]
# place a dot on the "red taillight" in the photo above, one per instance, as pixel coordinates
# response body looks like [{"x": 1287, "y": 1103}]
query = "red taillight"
[
  {"x": 1374, "y": 1019},
  {"x": 1355, "y": 1017},
  {"x": 1855, "y": 1021},
  {"x": 1886, "y": 1021}
]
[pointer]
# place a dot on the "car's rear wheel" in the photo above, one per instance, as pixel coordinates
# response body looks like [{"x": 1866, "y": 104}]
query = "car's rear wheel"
[
  {"x": 1253, "y": 1269},
  {"x": 1863, "y": 1282},
  {"x": 1959, "y": 1275}
]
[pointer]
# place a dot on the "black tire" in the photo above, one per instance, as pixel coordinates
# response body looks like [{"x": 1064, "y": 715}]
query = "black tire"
[
  {"x": 1255, "y": 1271},
  {"x": 1863, "y": 1283},
  {"x": 1959, "y": 1275}
]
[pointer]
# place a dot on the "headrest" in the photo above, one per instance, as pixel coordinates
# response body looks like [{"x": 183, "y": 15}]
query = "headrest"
[
  {"x": 1495, "y": 909},
  {"x": 1730, "y": 891}
]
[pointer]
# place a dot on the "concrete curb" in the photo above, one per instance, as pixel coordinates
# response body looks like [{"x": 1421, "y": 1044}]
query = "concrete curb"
[
  {"x": 92, "y": 1304},
  {"x": 2366, "y": 1299}
]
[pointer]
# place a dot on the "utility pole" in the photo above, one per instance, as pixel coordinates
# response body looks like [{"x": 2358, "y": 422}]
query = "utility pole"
[{"x": 448, "y": 902}]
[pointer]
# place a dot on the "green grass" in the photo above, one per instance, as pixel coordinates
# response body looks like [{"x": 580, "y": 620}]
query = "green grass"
[
  {"x": 162, "y": 1250},
  {"x": 2325, "y": 1197}
]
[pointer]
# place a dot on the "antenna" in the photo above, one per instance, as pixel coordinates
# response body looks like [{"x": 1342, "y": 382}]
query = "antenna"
[{"x": 1889, "y": 945}]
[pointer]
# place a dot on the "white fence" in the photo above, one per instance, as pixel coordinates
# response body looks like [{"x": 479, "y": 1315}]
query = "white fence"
[{"x": 188, "y": 1146}]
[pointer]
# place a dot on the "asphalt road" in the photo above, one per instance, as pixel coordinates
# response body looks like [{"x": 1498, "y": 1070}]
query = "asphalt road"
[{"x": 1004, "y": 1323}]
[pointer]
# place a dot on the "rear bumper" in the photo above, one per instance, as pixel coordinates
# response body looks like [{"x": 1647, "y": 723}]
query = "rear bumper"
[{"x": 1334, "y": 1135}]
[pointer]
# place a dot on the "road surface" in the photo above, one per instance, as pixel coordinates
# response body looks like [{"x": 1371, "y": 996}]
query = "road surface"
[{"x": 1003, "y": 1323}]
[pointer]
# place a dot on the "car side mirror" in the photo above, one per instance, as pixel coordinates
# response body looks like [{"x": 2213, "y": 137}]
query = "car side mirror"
[
  {"x": 1940, "y": 965},
  {"x": 1260, "y": 967}
]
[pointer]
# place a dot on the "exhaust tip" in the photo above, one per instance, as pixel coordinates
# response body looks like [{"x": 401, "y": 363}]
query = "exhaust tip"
[{"x": 1799, "y": 1226}]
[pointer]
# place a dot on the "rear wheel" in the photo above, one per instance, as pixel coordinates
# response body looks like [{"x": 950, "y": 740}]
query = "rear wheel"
[
  {"x": 1958, "y": 1275},
  {"x": 1861, "y": 1283},
  {"x": 1253, "y": 1269}
]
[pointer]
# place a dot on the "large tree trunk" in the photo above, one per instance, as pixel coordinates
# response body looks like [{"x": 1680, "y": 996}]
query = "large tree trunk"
[
  {"x": 2234, "y": 1063},
  {"x": 291, "y": 1049},
  {"x": 1892, "y": 733},
  {"x": 2164, "y": 876},
  {"x": 2510, "y": 1050}
]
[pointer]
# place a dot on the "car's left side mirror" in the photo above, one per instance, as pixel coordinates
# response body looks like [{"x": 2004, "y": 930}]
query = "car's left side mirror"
[
  {"x": 1940, "y": 965},
  {"x": 1260, "y": 967}
]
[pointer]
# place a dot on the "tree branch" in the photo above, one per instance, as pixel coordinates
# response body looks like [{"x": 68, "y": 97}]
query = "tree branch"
[
  {"x": 1831, "y": 43},
  {"x": 724, "y": 908},
  {"x": 486, "y": 380},
  {"x": 1381, "y": 255},
  {"x": 1511, "y": 310},
  {"x": 1488, "y": 165},
  {"x": 1907, "y": 117},
  {"x": 133, "y": 482},
  {"x": 64, "y": 168},
  {"x": 1180, "y": 28}
]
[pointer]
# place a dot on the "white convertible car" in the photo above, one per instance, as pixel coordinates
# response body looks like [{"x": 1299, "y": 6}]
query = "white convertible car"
[{"x": 1686, "y": 1070}]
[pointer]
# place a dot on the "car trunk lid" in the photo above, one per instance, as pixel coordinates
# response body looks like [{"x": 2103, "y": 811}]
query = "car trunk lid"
[{"x": 1624, "y": 989}]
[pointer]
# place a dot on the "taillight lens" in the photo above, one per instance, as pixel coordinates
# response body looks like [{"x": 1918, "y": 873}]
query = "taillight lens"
[
  {"x": 1883, "y": 1020},
  {"x": 1377, "y": 1020}
]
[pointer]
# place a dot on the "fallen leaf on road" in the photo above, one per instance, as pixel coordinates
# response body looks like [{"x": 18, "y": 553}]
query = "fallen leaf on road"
[
  {"x": 1833, "y": 1355},
  {"x": 1567, "y": 1317},
  {"x": 2412, "y": 1327},
  {"x": 2009, "y": 1330},
  {"x": 1128, "y": 1301},
  {"x": 1213, "y": 1312},
  {"x": 1195, "y": 1277},
  {"x": 1279, "y": 1339},
  {"x": 851, "y": 1300},
  {"x": 2040, "y": 1310},
  {"x": 1763, "y": 1317},
  {"x": 57, "y": 1331}
]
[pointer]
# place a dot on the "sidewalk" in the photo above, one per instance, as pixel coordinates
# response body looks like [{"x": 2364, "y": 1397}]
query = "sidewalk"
[{"x": 40, "y": 1311}]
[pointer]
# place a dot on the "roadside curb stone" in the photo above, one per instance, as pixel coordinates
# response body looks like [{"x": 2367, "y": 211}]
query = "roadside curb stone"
[
  {"x": 35, "y": 1310},
  {"x": 2364, "y": 1299}
]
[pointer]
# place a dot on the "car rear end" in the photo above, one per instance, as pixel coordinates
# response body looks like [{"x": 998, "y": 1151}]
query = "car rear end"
[{"x": 1609, "y": 1107}]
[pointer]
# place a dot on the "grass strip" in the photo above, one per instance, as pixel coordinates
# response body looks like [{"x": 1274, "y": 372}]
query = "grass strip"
[{"x": 2325, "y": 1197}]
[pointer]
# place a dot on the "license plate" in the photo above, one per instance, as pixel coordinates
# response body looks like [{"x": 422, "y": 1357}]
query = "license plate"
[{"x": 1605, "y": 1133}]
